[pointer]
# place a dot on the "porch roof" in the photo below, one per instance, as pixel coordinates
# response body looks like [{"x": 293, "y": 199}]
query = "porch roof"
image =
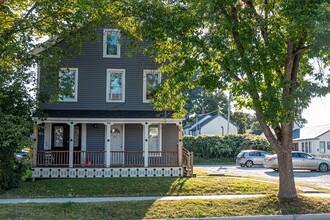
[{"x": 105, "y": 116}]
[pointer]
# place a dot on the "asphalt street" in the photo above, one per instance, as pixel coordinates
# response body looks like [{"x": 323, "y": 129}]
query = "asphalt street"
[{"x": 305, "y": 177}]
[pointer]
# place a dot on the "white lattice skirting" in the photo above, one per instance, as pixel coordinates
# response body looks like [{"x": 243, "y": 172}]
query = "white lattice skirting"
[{"x": 54, "y": 172}]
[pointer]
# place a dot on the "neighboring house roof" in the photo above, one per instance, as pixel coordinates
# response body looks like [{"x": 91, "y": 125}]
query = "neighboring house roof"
[
  {"x": 198, "y": 119},
  {"x": 313, "y": 132},
  {"x": 205, "y": 122}
]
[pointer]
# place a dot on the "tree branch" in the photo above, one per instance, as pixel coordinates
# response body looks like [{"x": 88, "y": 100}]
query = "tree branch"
[
  {"x": 29, "y": 11},
  {"x": 263, "y": 28}
]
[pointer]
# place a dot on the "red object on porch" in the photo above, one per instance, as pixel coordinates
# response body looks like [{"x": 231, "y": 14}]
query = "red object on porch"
[{"x": 88, "y": 162}]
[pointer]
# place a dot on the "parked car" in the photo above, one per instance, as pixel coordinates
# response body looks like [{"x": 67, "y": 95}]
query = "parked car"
[
  {"x": 248, "y": 158},
  {"x": 300, "y": 161}
]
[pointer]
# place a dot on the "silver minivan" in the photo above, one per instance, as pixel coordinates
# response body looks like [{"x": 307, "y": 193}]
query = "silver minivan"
[{"x": 248, "y": 158}]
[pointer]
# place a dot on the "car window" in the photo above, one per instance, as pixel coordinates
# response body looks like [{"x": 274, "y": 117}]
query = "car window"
[
  {"x": 307, "y": 156},
  {"x": 252, "y": 154},
  {"x": 295, "y": 155},
  {"x": 241, "y": 154},
  {"x": 258, "y": 154}
]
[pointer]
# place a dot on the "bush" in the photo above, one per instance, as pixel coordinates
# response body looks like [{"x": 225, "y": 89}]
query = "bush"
[{"x": 228, "y": 146}]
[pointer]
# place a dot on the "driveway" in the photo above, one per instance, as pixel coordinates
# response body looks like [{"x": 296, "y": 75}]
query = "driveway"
[{"x": 305, "y": 177}]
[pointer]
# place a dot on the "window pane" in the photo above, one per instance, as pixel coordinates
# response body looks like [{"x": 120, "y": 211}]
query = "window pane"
[
  {"x": 152, "y": 80},
  {"x": 58, "y": 136},
  {"x": 153, "y": 140},
  {"x": 112, "y": 42},
  {"x": 328, "y": 143},
  {"x": 68, "y": 84},
  {"x": 116, "y": 86}
]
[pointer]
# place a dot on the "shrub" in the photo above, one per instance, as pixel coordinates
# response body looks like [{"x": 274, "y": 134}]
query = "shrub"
[{"x": 228, "y": 146}]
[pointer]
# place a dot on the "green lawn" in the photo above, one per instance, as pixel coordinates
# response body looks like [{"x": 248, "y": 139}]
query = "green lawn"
[
  {"x": 269, "y": 205},
  {"x": 215, "y": 161},
  {"x": 139, "y": 187}
]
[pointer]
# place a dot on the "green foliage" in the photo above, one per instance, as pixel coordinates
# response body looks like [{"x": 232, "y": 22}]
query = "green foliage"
[
  {"x": 256, "y": 129},
  {"x": 228, "y": 146}
]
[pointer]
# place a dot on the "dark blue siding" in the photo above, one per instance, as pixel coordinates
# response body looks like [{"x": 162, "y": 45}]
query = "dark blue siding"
[
  {"x": 92, "y": 69},
  {"x": 170, "y": 137},
  {"x": 95, "y": 137},
  {"x": 133, "y": 137}
]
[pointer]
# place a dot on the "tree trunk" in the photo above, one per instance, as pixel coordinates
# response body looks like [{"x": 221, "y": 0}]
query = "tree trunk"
[
  {"x": 282, "y": 145},
  {"x": 287, "y": 187}
]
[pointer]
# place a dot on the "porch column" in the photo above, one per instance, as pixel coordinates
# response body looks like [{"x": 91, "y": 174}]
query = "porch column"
[
  {"x": 35, "y": 144},
  {"x": 180, "y": 144},
  {"x": 107, "y": 145},
  {"x": 71, "y": 124},
  {"x": 145, "y": 144}
]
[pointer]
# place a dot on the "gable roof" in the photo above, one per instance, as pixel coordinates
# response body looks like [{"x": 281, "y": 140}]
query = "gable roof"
[
  {"x": 199, "y": 118},
  {"x": 313, "y": 132},
  {"x": 206, "y": 121}
]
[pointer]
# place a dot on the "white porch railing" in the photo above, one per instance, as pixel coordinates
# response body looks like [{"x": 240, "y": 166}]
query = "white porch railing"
[{"x": 97, "y": 158}]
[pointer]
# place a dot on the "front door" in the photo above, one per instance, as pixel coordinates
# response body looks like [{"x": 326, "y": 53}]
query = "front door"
[
  {"x": 61, "y": 143},
  {"x": 116, "y": 144}
]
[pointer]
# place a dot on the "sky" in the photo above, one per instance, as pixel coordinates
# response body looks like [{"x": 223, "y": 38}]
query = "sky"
[{"x": 318, "y": 112}]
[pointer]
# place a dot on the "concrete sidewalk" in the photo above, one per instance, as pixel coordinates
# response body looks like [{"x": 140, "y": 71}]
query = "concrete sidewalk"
[
  {"x": 144, "y": 198},
  {"x": 120, "y": 199}
]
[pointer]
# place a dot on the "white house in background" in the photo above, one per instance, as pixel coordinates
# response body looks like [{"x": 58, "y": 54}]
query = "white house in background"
[
  {"x": 209, "y": 124},
  {"x": 314, "y": 140}
]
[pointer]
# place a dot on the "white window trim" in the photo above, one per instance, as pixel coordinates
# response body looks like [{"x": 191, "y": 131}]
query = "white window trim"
[
  {"x": 75, "y": 99},
  {"x": 108, "y": 85},
  {"x": 105, "y": 55},
  {"x": 145, "y": 72}
]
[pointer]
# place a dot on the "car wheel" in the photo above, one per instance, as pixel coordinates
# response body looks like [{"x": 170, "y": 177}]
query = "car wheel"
[
  {"x": 323, "y": 167},
  {"x": 249, "y": 163}
]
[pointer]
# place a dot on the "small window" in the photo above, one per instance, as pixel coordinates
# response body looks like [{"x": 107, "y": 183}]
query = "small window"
[
  {"x": 151, "y": 79},
  {"x": 115, "y": 85},
  {"x": 111, "y": 45},
  {"x": 68, "y": 84},
  {"x": 328, "y": 145},
  {"x": 322, "y": 146}
]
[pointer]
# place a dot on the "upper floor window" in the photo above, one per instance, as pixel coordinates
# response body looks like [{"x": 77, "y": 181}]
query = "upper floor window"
[
  {"x": 111, "y": 46},
  {"x": 115, "y": 85},
  {"x": 68, "y": 84},
  {"x": 151, "y": 79}
]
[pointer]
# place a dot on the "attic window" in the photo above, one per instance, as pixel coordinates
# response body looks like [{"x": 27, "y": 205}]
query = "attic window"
[{"x": 111, "y": 45}]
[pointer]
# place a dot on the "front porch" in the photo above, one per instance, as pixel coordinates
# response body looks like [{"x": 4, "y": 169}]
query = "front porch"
[{"x": 82, "y": 148}]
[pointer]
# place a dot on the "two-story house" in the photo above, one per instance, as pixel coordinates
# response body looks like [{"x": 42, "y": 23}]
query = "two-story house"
[{"x": 104, "y": 124}]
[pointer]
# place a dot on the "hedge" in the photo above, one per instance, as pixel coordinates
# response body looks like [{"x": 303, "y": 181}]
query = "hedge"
[{"x": 228, "y": 146}]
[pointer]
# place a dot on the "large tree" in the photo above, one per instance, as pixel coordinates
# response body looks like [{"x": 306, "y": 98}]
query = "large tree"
[{"x": 259, "y": 49}]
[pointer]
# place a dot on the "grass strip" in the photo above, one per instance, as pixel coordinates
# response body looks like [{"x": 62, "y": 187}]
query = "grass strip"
[
  {"x": 269, "y": 205},
  {"x": 161, "y": 186}
]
